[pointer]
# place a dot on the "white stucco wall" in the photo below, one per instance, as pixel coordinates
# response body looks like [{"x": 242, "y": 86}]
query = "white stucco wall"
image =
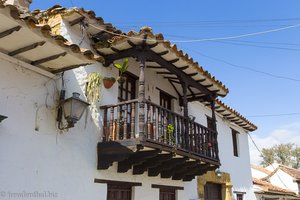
[
  {"x": 36, "y": 157},
  {"x": 237, "y": 167},
  {"x": 258, "y": 174},
  {"x": 284, "y": 180}
]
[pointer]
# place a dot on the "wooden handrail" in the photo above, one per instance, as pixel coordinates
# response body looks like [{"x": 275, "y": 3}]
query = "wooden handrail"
[
  {"x": 120, "y": 103},
  {"x": 120, "y": 123}
]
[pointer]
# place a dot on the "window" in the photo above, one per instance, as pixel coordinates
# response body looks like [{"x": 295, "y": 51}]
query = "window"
[
  {"x": 127, "y": 90},
  {"x": 165, "y": 100},
  {"x": 210, "y": 123},
  {"x": 212, "y": 191},
  {"x": 167, "y": 192},
  {"x": 117, "y": 190},
  {"x": 239, "y": 196},
  {"x": 235, "y": 142}
]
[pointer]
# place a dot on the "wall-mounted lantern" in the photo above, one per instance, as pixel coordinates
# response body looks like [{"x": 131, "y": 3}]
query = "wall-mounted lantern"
[
  {"x": 2, "y": 118},
  {"x": 218, "y": 173},
  {"x": 72, "y": 109}
]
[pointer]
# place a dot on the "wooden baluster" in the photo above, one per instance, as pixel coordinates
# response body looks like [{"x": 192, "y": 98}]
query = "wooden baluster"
[
  {"x": 177, "y": 130},
  {"x": 119, "y": 114},
  {"x": 165, "y": 124},
  {"x": 125, "y": 120},
  {"x": 159, "y": 125},
  {"x": 195, "y": 137},
  {"x": 182, "y": 134},
  {"x": 203, "y": 135},
  {"x": 148, "y": 121},
  {"x": 105, "y": 132},
  {"x": 216, "y": 145},
  {"x": 209, "y": 143},
  {"x": 111, "y": 124},
  {"x": 154, "y": 134},
  {"x": 192, "y": 146},
  {"x": 199, "y": 138},
  {"x": 132, "y": 131}
]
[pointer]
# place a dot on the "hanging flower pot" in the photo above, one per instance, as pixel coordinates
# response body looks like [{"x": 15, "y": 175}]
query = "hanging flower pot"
[
  {"x": 108, "y": 82},
  {"x": 121, "y": 79}
]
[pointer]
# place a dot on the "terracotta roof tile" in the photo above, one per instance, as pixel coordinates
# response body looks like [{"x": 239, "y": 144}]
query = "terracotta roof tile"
[
  {"x": 266, "y": 186},
  {"x": 291, "y": 171},
  {"x": 25, "y": 19}
]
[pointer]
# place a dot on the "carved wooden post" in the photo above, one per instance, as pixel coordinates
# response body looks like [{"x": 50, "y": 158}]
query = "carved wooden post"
[
  {"x": 142, "y": 98},
  {"x": 213, "y": 113},
  {"x": 215, "y": 135},
  {"x": 185, "y": 114}
]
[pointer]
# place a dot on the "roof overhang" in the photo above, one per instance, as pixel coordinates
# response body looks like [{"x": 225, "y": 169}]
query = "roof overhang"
[
  {"x": 23, "y": 38},
  {"x": 164, "y": 58}
]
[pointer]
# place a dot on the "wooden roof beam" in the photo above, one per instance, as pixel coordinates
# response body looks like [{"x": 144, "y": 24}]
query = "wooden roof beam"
[
  {"x": 180, "y": 74},
  {"x": 162, "y": 53},
  {"x": 76, "y": 21},
  {"x": 135, "y": 52},
  {"x": 10, "y": 31},
  {"x": 163, "y": 73},
  {"x": 47, "y": 59},
  {"x": 27, "y": 48}
]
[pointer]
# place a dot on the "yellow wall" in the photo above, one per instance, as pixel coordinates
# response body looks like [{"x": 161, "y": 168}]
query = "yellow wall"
[{"x": 211, "y": 177}]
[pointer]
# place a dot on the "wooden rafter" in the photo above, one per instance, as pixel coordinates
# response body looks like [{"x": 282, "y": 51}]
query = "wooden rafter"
[
  {"x": 174, "y": 60},
  {"x": 76, "y": 21},
  {"x": 193, "y": 74},
  {"x": 183, "y": 68},
  {"x": 172, "y": 84},
  {"x": 163, "y": 73},
  {"x": 26, "y": 48},
  {"x": 69, "y": 68},
  {"x": 163, "y": 53},
  {"x": 154, "y": 67},
  {"x": 10, "y": 31},
  {"x": 133, "y": 52},
  {"x": 47, "y": 59}
]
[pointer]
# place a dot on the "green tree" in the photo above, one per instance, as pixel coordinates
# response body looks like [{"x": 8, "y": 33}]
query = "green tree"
[{"x": 285, "y": 154}]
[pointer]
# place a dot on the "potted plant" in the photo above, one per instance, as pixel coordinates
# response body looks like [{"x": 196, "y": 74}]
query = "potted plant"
[
  {"x": 170, "y": 130},
  {"x": 122, "y": 68},
  {"x": 108, "y": 82}
]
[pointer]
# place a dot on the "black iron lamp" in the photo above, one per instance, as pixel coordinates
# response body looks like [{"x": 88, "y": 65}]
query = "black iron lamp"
[
  {"x": 218, "y": 173},
  {"x": 72, "y": 109},
  {"x": 2, "y": 118}
]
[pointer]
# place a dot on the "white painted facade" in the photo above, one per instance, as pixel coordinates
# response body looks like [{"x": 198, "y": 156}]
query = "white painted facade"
[
  {"x": 284, "y": 180},
  {"x": 36, "y": 157},
  {"x": 257, "y": 173}
]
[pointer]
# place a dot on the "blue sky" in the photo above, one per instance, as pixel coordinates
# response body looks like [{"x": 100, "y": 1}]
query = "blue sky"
[{"x": 251, "y": 93}]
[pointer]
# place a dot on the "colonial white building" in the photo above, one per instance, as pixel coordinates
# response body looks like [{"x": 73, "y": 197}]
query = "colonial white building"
[
  {"x": 146, "y": 138},
  {"x": 275, "y": 182}
]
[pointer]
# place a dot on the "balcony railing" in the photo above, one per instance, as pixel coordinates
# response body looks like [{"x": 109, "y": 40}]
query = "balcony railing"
[{"x": 161, "y": 126}]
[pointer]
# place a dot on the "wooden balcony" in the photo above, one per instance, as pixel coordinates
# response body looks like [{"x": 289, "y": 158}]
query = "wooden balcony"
[{"x": 158, "y": 141}]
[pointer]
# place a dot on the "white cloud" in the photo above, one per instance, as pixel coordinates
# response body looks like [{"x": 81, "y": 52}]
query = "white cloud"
[{"x": 286, "y": 134}]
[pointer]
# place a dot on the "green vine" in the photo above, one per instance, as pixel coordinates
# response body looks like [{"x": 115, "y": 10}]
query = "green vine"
[
  {"x": 170, "y": 130},
  {"x": 93, "y": 87}
]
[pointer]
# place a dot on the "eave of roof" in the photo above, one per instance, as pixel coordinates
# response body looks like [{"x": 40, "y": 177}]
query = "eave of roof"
[
  {"x": 158, "y": 45},
  {"x": 34, "y": 43},
  {"x": 73, "y": 14},
  {"x": 265, "y": 186},
  {"x": 233, "y": 116},
  {"x": 295, "y": 173}
]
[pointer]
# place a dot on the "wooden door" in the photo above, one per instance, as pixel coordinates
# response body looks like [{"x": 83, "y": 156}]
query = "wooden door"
[
  {"x": 212, "y": 191},
  {"x": 167, "y": 194},
  {"x": 118, "y": 192}
]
